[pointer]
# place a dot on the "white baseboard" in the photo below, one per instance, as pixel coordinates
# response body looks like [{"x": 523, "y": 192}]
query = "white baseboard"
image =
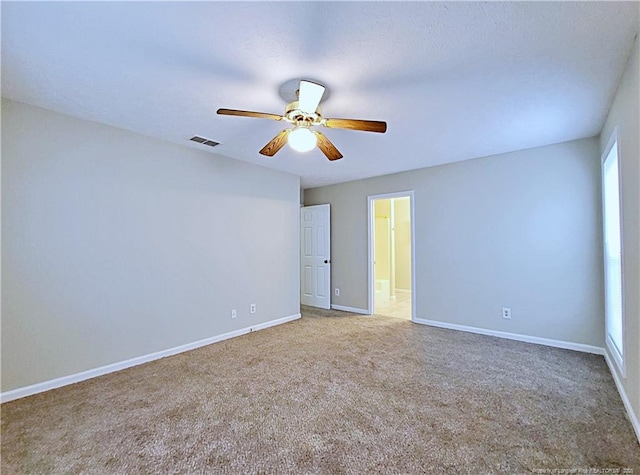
[
  {"x": 633, "y": 418},
  {"x": 350, "y": 309},
  {"x": 102, "y": 370},
  {"x": 270, "y": 323},
  {"x": 567, "y": 345}
]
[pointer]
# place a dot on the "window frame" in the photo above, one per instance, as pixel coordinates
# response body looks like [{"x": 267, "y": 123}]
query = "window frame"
[{"x": 617, "y": 354}]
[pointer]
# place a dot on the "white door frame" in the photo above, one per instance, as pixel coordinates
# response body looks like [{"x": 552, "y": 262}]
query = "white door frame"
[{"x": 371, "y": 227}]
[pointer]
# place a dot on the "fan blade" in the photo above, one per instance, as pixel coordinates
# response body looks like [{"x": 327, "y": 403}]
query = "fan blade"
[
  {"x": 258, "y": 115},
  {"x": 309, "y": 95},
  {"x": 276, "y": 143},
  {"x": 356, "y": 124},
  {"x": 327, "y": 147}
]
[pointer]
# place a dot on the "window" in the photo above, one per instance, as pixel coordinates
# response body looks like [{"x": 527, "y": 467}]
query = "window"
[{"x": 614, "y": 310}]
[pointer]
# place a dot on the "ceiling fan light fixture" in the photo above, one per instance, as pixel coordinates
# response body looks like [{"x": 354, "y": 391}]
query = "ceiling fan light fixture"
[
  {"x": 309, "y": 96},
  {"x": 303, "y": 114},
  {"x": 302, "y": 139}
]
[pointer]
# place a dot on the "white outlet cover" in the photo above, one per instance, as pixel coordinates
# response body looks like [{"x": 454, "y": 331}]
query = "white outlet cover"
[{"x": 337, "y": 291}]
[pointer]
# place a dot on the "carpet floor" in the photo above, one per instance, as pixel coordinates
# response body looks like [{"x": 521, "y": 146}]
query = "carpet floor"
[{"x": 333, "y": 393}]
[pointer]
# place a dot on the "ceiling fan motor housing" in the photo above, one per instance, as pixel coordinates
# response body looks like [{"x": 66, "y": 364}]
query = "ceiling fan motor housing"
[{"x": 294, "y": 115}]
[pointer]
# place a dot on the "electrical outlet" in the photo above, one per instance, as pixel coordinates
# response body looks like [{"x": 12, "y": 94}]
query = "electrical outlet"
[
  {"x": 506, "y": 313},
  {"x": 337, "y": 292},
  {"x": 253, "y": 308},
  {"x": 234, "y": 313}
]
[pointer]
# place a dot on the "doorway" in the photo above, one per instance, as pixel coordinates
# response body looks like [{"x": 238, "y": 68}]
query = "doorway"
[{"x": 391, "y": 255}]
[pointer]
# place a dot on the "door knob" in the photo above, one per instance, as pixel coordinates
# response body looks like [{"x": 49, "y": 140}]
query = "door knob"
[{"x": 327, "y": 261}]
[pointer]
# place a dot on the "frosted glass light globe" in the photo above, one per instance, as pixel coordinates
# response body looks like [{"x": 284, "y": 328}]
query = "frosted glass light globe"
[{"x": 302, "y": 139}]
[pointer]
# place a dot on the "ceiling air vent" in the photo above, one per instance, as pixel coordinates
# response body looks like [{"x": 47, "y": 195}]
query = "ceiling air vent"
[{"x": 204, "y": 141}]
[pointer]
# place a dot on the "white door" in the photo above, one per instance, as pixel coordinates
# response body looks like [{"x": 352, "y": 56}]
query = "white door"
[{"x": 315, "y": 258}]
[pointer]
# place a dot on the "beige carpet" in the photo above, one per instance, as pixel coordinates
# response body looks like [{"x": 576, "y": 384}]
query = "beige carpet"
[{"x": 333, "y": 393}]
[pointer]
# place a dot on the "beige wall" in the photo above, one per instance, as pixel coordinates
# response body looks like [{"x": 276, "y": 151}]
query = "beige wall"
[
  {"x": 402, "y": 219},
  {"x": 521, "y": 230},
  {"x": 116, "y": 245},
  {"x": 402, "y": 247},
  {"x": 624, "y": 114},
  {"x": 382, "y": 222}
]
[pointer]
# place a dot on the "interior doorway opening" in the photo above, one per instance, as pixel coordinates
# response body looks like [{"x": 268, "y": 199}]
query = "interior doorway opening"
[{"x": 391, "y": 263}]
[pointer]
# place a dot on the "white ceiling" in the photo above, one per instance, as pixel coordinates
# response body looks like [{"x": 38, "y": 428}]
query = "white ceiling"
[{"x": 453, "y": 80}]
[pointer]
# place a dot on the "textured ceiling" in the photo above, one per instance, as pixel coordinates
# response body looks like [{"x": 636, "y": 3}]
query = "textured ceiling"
[{"x": 453, "y": 80}]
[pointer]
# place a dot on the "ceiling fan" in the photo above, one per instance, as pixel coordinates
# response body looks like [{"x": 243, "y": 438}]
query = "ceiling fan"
[{"x": 304, "y": 114}]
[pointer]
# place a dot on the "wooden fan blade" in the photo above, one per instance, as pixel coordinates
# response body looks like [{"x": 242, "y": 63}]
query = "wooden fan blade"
[
  {"x": 276, "y": 143},
  {"x": 258, "y": 115},
  {"x": 356, "y": 124},
  {"x": 327, "y": 147}
]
